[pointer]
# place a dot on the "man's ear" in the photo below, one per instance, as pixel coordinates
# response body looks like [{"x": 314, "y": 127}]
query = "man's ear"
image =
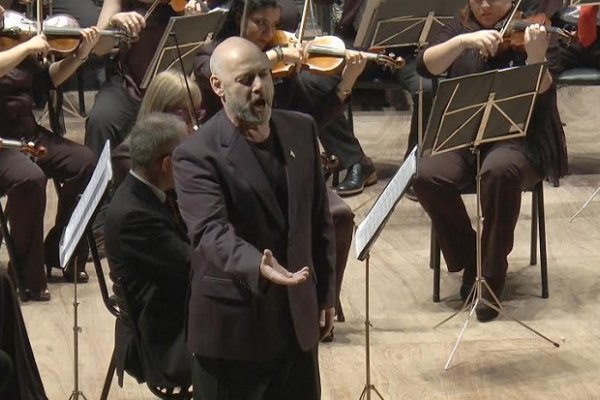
[
  {"x": 166, "y": 164},
  {"x": 217, "y": 85}
]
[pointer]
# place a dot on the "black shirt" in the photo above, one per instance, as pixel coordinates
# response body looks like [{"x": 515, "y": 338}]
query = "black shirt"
[{"x": 272, "y": 162}]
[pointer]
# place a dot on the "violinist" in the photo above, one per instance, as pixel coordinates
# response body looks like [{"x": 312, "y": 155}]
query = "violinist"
[
  {"x": 118, "y": 100},
  {"x": 25, "y": 180},
  {"x": 469, "y": 44}
]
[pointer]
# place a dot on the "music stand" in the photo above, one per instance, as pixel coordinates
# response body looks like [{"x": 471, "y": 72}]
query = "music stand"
[
  {"x": 186, "y": 35},
  {"x": 367, "y": 233},
  {"x": 398, "y": 23},
  {"x": 80, "y": 228},
  {"x": 470, "y": 111}
]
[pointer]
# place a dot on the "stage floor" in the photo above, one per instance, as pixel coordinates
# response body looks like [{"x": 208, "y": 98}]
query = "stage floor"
[{"x": 497, "y": 360}]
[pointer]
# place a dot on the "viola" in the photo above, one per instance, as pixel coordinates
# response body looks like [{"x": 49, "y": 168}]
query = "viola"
[
  {"x": 28, "y": 148},
  {"x": 324, "y": 55},
  {"x": 62, "y": 31}
]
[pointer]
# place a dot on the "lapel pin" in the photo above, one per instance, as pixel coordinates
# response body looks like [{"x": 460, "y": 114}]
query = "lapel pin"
[{"x": 292, "y": 154}]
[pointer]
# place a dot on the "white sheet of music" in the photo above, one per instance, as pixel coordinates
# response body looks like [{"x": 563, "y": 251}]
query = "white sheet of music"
[
  {"x": 86, "y": 206},
  {"x": 370, "y": 227}
]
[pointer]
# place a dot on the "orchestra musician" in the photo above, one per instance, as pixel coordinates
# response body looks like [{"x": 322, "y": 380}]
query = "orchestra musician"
[
  {"x": 251, "y": 191},
  {"x": 25, "y": 180},
  {"x": 118, "y": 100},
  {"x": 290, "y": 94},
  {"x": 469, "y": 44}
]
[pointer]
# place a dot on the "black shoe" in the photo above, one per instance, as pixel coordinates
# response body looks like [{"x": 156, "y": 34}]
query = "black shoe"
[
  {"x": 44, "y": 295},
  {"x": 329, "y": 338},
  {"x": 69, "y": 276},
  {"x": 357, "y": 177},
  {"x": 483, "y": 312}
]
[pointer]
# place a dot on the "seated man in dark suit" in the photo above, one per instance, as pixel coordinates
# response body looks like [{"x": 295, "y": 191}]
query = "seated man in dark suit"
[
  {"x": 250, "y": 189},
  {"x": 148, "y": 252}
]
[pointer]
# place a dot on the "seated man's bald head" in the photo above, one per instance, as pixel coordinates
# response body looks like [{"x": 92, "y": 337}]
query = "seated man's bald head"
[{"x": 228, "y": 54}]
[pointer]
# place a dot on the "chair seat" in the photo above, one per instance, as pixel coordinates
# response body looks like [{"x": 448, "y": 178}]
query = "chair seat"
[
  {"x": 580, "y": 77},
  {"x": 379, "y": 84}
]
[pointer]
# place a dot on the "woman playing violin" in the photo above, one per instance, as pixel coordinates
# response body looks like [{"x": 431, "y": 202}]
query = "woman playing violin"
[
  {"x": 469, "y": 44},
  {"x": 25, "y": 181},
  {"x": 118, "y": 100}
]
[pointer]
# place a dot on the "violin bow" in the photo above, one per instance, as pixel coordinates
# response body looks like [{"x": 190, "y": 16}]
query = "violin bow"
[
  {"x": 151, "y": 9},
  {"x": 40, "y": 24},
  {"x": 302, "y": 27},
  {"x": 510, "y": 18},
  {"x": 244, "y": 19}
]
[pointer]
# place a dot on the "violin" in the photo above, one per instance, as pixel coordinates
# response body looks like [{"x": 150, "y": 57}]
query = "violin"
[
  {"x": 28, "y": 148},
  {"x": 62, "y": 31},
  {"x": 514, "y": 34},
  {"x": 324, "y": 55}
]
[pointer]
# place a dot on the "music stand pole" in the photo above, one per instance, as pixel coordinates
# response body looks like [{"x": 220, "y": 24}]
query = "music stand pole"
[{"x": 366, "y": 393}]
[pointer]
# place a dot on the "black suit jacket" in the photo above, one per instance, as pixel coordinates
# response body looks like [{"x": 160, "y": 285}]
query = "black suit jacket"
[
  {"x": 149, "y": 252},
  {"x": 232, "y": 215}
]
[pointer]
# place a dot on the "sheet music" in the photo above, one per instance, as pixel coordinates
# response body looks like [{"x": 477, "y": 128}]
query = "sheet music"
[
  {"x": 369, "y": 228},
  {"x": 84, "y": 211}
]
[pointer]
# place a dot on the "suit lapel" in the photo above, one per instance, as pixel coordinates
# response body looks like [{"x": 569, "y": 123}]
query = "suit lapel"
[{"x": 244, "y": 161}]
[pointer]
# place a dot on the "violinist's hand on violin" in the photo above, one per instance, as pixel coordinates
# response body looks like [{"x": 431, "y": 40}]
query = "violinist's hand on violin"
[
  {"x": 194, "y": 7},
  {"x": 486, "y": 41},
  {"x": 131, "y": 22},
  {"x": 38, "y": 45},
  {"x": 89, "y": 40},
  {"x": 271, "y": 270},
  {"x": 354, "y": 66},
  {"x": 536, "y": 43},
  {"x": 292, "y": 55}
]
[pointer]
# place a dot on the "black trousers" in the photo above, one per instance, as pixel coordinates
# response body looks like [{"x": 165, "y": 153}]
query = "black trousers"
[
  {"x": 25, "y": 183},
  {"x": 505, "y": 173},
  {"x": 337, "y": 136},
  {"x": 112, "y": 116},
  {"x": 293, "y": 376}
]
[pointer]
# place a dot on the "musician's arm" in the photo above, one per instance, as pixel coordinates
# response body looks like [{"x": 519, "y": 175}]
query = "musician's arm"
[
  {"x": 109, "y": 8},
  {"x": 10, "y": 58}
]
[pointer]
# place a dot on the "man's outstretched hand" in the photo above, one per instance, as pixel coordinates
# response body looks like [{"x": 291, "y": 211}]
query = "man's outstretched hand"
[{"x": 271, "y": 270}]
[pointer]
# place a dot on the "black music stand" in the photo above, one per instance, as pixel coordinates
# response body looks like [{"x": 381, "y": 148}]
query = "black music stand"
[
  {"x": 470, "y": 111},
  {"x": 398, "y": 23},
  {"x": 367, "y": 233},
  {"x": 78, "y": 229},
  {"x": 180, "y": 41}
]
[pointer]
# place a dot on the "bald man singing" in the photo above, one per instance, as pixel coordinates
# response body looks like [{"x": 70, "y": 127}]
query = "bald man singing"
[{"x": 251, "y": 191}]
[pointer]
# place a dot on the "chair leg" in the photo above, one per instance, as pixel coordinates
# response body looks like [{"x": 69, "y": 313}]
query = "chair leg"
[
  {"x": 109, "y": 377},
  {"x": 435, "y": 265},
  {"x": 542, "y": 230},
  {"x": 534, "y": 226}
]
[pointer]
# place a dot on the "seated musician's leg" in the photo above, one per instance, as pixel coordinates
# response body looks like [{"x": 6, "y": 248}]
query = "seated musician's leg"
[
  {"x": 343, "y": 224},
  {"x": 72, "y": 165},
  {"x": 505, "y": 173},
  {"x": 111, "y": 117},
  {"x": 337, "y": 137},
  {"x": 438, "y": 185},
  {"x": 25, "y": 184}
]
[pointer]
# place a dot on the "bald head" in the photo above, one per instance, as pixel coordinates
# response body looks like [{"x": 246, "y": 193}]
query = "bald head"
[
  {"x": 229, "y": 53},
  {"x": 241, "y": 77}
]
